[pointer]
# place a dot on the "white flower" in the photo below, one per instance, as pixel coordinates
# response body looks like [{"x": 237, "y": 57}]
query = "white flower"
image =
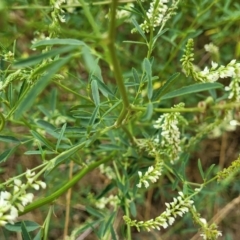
[
  {"x": 17, "y": 182},
  {"x": 27, "y": 198}
]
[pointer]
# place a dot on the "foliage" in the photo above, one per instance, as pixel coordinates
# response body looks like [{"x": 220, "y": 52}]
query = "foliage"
[{"x": 122, "y": 91}]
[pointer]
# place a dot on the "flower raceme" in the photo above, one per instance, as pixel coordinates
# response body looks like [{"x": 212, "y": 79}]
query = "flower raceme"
[
  {"x": 178, "y": 207},
  {"x": 158, "y": 14},
  {"x": 12, "y": 203}
]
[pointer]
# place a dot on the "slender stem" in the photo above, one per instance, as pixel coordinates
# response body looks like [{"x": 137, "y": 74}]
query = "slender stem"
[
  {"x": 68, "y": 203},
  {"x": 115, "y": 63},
  {"x": 193, "y": 109},
  {"x": 66, "y": 6},
  {"x": 167, "y": 110},
  {"x": 72, "y": 91},
  {"x": 65, "y": 187},
  {"x": 89, "y": 17}
]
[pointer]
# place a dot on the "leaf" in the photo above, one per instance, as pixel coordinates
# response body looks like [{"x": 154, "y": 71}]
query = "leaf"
[
  {"x": 38, "y": 58},
  {"x": 95, "y": 93},
  {"x": 138, "y": 28},
  {"x": 159, "y": 34},
  {"x": 148, "y": 113},
  {"x": 91, "y": 62},
  {"x": 16, "y": 227},
  {"x": 39, "y": 235},
  {"x": 148, "y": 70},
  {"x": 135, "y": 75},
  {"x": 164, "y": 89},
  {"x": 2, "y": 122},
  {"x": 199, "y": 87},
  {"x": 63, "y": 156},
  {"x": 38, "y": 152},
  {"x": 200, "y": 169},
  {"x": 103, "y": 87},
  {"x": 93, "y": 118},
  {"x": 41, "y": 84},
  {"x": 42, "y": 139},
  {"x": 133, "y": 209},
  {"x": 6, "y": 154},
  {"x": 57, "y": 41},
  {"x": 61, "y": 135},
  {"x": 45, "y": 125},
  {"x": 109, "y": 223},
  {"x": 9, "y": 139},
  {"x": 114, "y": 236},
  {"x": 94, "y": 212},
  {"x": 25, "y": 234},
  {"x": 209, "y": 170}
]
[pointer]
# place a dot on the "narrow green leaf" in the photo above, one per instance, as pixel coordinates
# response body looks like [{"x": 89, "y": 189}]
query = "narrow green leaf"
[
  {"x": 45, "y": 125},
  {"x": 63, "y": 156},
  {"x": 139, "y": 28},
  {"x": 39, "y": 235},
  {"x": 57, "y": 41},
  {"x": 42, "y": 139},
  {"x": 25, "y": 234},
  {"x": 148, "y": 70},
  {"x": 113, "y": 234},
  {"x": 38, "y": 152},
  {"x": 16, "y": 227},
  {"x": 199, "y": 87},
  {"x": 94, "y": 212},
  {"x": 103, "y": 87},
  {"x": 9, "y": 139},
  {"x": 61, "y": 135},
  {"x": 6, "y": 154},
  {"x": 30, "y": 97},
  {"x": 148, "y": 113},
  {"x": 2, "y": 122},
  {"x": 209, "y": 171},
  {"x": 94, "y": 116},
  {"x": 159, "y": 34},
  {"x": 38, "y": 58},
  {"x": 133, "y": 209},
  {"x": 165, "y": 88},
  {"x": 135, "y": 75},
  {"x": 109, "y": 223},
  {"x": 91, "y": 62},
  {"x": 200, "y": 169},
  {"x": 147, "y": 67},
  {"x": 95, "y": 93}
]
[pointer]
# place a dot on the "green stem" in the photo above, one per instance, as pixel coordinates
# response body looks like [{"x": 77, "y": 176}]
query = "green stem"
[
  {"x": 73, "y": 92},
  {"x": 167, "y": 110},
  {"x": 66, "y": 6},
  {"x": 65, "y": 187},
  {"x": 89, "y": 17},
  {"x": 115, "y": 63}
]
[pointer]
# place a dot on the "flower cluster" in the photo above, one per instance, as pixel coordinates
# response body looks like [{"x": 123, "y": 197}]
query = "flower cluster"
[
  {"x": 228, "y": 123},
  {"x": 207, "y": 231},
  {"x": 233, "y": 168},
  {"x": 211, "y": 48},
  {"x": 12, "y": 203},
  {"x": 178, "y": 207},
  {"x": 18, "y": 75},
  {"x": 123, "y": 13},
  {"x": 102, "y": 202},
  {"x": 170, "y": 133},
  {"x": 208, "y": 74},
  {"x": 57, "y": 15},
  {"x": 152, "y": 175},
  {"x": 108, "y": 171},
  {"x": 234, "y": 89},
  {"x": 158, "y": 14}
]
